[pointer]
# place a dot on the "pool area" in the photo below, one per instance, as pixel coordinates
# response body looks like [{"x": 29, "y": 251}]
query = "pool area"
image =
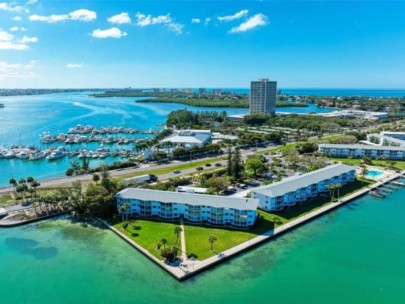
[{"x": 373, "y": 174}]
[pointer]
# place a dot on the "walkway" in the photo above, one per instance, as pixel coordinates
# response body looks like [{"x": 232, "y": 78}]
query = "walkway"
[{"x": 183, "y": 241}]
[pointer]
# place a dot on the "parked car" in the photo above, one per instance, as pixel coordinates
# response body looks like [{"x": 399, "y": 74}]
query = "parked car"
[
  {"x": 199, "y": 168},
  {"x": 208, "y": 165},
  {"x": 176, "y": 171},
  {"x": 218, "y": 164}
]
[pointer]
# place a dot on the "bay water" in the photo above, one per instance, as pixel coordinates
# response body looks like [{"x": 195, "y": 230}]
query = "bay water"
[{"x": 351, "y": 255}]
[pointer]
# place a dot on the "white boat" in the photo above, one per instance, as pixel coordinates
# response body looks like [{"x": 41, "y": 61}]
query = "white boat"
[
  {"x": 22, "y": 155},
  {"x": 37, "y": 155},
  {"x": 9, "y": 154},
  {"x": 55, "y": 155}
]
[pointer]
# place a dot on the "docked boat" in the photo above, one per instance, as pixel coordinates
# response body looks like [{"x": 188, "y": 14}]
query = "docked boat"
[
  {"x": 55, "y": 155},
  {"x": 37, "y": 155}
]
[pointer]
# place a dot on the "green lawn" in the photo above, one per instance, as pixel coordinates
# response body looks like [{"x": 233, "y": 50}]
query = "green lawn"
[
  {"x": 400, "y": 165},
  {"x": 150, "y": 234},
  {"x": 6, "y": 199},
  {"x": 197, "y": 236}
]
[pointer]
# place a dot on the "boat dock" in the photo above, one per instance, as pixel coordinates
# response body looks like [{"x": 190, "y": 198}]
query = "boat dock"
[{"x": 189, "y": 268}]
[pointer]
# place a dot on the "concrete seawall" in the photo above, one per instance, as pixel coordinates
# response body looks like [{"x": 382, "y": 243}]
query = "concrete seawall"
[{"x": 195, "y": 267}]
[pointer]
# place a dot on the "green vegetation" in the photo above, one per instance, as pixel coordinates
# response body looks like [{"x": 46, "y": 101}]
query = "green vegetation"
[
  {"x": 399, "y": 165},
  {"x": 149, "y": 233},
  {"x": 200, "y": 102}
]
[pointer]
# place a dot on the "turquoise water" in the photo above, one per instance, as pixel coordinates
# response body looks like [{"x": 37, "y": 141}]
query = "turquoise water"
[
  {"x": 25, "y": 118},
  {"x": 352, "y": 255},
  {"x": 373, "y": 173}
]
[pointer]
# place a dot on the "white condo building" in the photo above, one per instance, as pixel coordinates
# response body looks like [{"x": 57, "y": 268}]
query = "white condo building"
[
  {"x": 197, "y": 208},
  {"x": 263, "y": 94},
  {"x": 360, "y": 151},
  {"x": 290, "y": 191},
  {"x": 189, "y": 138}
]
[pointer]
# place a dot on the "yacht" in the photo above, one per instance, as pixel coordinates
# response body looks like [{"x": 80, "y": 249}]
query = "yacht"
[
  {"x": 55, "y": 155},
  {"x": 37, "y": 155}
]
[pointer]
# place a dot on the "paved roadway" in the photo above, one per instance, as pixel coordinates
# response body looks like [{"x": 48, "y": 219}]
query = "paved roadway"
[{"x": 120, "y": 172}]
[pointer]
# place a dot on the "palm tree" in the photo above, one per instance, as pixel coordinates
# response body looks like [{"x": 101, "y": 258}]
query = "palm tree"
[
  {"x": 13, "y": 182},
  {"x": 177, "y": 231},
  {"x": 96, "y": 178},
  {"x": 123, "y": 210},
  {"x": 338, "y": 186},
  {"x": 363, "y": 172},
  {"x": 163, "y": 242},
  {"x": 211, "y": 240}
]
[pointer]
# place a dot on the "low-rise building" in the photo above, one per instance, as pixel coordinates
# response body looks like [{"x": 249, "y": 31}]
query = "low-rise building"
[
  {"x": 360, "y": 151},
  {"x": 197, "y": 208},
  {"x": 385, "y": 139},
  {"x": 296, "y": 189},
  {"x": 189, "y": 138},
  {"x": 352, "y": 113}
]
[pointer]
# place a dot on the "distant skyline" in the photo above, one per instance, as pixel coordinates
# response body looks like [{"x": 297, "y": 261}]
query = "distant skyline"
[{"x": 140, "y": 44}]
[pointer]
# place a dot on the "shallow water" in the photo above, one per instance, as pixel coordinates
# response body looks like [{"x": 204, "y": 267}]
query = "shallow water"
[{"x": 351, "y": 255}]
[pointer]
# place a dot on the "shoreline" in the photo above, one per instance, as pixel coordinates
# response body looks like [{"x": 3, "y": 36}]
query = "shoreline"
[{"x": 200, "y": 266}]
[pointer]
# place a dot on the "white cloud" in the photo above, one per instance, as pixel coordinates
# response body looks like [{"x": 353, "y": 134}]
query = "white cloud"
[
  {"x": 49, "y": 19},
  {"x": 16, "y": 29},
  {"x": 83, "y": 15},
  {"x": 9, "y": 42},
  {"x": 122, "y": 18},
  {"x": 27, "y": 40},
  {"x": 31, "y": 2},
  {"x": 12, "y": 7},
  {"x": 79, "y": 15},
  {"x": 16, "y": 18},
  {"x": 74, "y": 65},
  {"x": 195, "y": 20},
  {"x": 207, "y": 20},
  {"x": 109, "y": 33},
  {"x": 8, "y": 45},
  {"x": 4, "y": 36},
  {"x": 251, "y": 23},
  {"x": 236, "y": 16},
  {"x": 143, "y": 20},
  {"x": 17, "y": 70}
]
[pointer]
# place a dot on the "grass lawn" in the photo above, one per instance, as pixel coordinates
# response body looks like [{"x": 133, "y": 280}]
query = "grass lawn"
[
  {"x": 400, "y": 165},
  {"x": 6, "y": 199},
  {"x": 160, "y": 171},
  {"x": 197, "y": 236},
  {"x": 150, "y": 234}
]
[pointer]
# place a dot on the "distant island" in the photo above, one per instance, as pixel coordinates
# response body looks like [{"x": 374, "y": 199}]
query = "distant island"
[
  {"x": 22, "y": 92},
  {"x": 1, "y": 105},
  {"x": 221, "y": 100}
]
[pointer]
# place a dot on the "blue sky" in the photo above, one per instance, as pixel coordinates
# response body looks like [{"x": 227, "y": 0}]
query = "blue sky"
[{"x": 302, "y": 44}]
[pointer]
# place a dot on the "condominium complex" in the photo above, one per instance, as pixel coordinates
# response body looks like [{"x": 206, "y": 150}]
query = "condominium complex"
[
  {"x": 387, "y": 139},
  {"x": 360, "y": 151},
  {"x": 263, "y": 96},
  {"x": 290, "y": 191},
  {"x": 198, "y": 208}
]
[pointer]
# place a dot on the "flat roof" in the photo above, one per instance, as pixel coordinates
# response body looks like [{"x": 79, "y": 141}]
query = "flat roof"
[
  {"x": 196, "y": 138},
  {"x": 302, "y": 181},
  {"x": 189, "y": 198},
  {"x": 365, "y": 147}
]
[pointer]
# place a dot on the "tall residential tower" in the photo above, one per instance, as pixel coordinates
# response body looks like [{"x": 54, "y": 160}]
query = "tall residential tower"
[{"x": 263, "y": 96}]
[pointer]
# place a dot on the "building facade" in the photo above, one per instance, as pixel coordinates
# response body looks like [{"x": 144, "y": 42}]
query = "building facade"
[
  {"x": 263, "y": 95},
  {"x": 189, "y": 138},
  {"x": 197, "y": 208},
  {"x": 360, "y": 151},
  {"x": 289, "y": 192}
]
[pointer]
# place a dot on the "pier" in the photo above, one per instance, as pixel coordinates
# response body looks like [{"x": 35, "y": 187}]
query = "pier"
[{"x": 192, "y": 268}]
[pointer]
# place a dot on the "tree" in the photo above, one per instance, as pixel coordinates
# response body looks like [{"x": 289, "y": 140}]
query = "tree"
[
  {"x": 338, "y": 186},
  {"x": 363, "y": 172},
  {"x": 96, "y": 178},
  {"x": 256, "y": 165},
  {"x": 177, "y": 231},
  {"x": 229, "y": 163},
  {"x": 218, "y": 184},
  {"x": 237, "y": 166},
  {"x": 124, "y": 210},
  {"x": 211, "y": 240},
  {"x": 69, "y": 172},
  {"x": 163, "y": 242},
  {"x": 13, "y": 182}
]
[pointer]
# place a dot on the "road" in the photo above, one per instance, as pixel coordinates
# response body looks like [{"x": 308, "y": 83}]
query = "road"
[{"x": 120, "y": 172}]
